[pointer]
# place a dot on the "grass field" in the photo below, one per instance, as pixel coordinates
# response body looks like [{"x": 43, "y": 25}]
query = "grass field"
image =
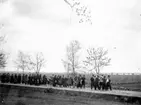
[
  {"x": 123, "y": 82},
  {"x": 26, "y": 96}
]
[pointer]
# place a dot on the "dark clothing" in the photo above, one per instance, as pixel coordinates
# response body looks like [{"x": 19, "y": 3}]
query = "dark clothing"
[
  {"x": 97, "y": 83},
  {"x": 104, "y": 84},
  {"x": 83, "y": 82},
  {"x": 92, "y": 82},
  {"x": 109, "y": 84}
]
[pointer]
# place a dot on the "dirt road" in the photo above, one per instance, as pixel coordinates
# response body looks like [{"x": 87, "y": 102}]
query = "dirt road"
[
  {"x": 15, "y": 95},
  {"x": 113, "y": 92}
]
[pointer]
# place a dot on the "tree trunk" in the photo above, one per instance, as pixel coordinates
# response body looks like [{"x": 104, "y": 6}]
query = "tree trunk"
[{"x": 98, "y": 70}]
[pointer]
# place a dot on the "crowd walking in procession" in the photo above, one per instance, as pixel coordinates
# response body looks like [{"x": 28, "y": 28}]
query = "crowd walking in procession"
[{"x": 96, "y": 82}]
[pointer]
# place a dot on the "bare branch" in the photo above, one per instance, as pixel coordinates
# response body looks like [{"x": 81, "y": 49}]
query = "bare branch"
[
  {"x": 97, "y": 59},
  {"x": 3, "y": 55},
  {"x": 81, "y": 10},
  {"x": 38, "y": 63}
]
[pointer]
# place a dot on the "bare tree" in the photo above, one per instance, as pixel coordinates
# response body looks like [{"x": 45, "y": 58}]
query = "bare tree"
[
  {"x": 72, "y": 57},
  {"x": 82, "y": 11},
  {"x": 38, "y": 62},
  {"x": 3, "y": 56},
  {"x": 23, "y": 61},
  {"x": 3, "y": 60},
  {"x": 97, "y": 59}
]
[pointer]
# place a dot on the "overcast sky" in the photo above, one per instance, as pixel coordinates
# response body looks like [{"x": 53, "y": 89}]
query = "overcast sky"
[{"x": 44, "y": 26}]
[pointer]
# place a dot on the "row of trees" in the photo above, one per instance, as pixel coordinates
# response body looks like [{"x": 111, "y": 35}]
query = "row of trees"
[
  {"x": 97, "y": 57},
  {"x": 27, "y": 62},
  {"x": 95, "y": 60},
  {"x": 24, "y": 61}
]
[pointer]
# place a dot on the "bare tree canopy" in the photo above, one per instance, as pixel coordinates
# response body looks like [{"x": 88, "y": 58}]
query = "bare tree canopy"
[
  {"x": 71, "y": 63},
  {"x": 3, "y": 59},
  {"x": 23, "y": 61},
  {"x": 82, "y": 11},
  {"x": 38, "y": 62},
  {"x": 28, "y": 62},
  {"x": 97, "y": 59},
  {"x": 3, "y": 56}
]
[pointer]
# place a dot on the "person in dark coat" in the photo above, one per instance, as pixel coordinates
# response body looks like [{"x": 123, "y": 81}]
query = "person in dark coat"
[
  {"x": 79, "y": 82},
  {"x": 101, "y": 81},
  {"x": 104, "y": 83},
  {"x": 92, "y": 82},
  {"x": 3, "y": 78},
  {"x": 15, "y": 78},
  {"x": 83, "y": 81},
  {"x": 97, "y": 82},
  {"x": 72, "y": 81},
  {"x": 54, "y": 81},
  {"x": 29, "y": 79},
  {"x": 109, "y": 83},
  {"x": 75, "y": 81},
  {"x": 12, "y": 79},
  {"x": 63, "y": 81},
  {"x": 7, "y": 78},
  {"x": 19, "y": 78},
  {"x": 26, "y": 79},
  {"x": 44, "y": 79}
]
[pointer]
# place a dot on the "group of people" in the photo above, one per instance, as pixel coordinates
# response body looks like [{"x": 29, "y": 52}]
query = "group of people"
[
  {"x": 69, "y": 81},
  {"x": 100, "y": 82},
  {"x": 78, "y": 81},
  {"x": 31, "y": 79},
  {"x": 38, "y": 79}
]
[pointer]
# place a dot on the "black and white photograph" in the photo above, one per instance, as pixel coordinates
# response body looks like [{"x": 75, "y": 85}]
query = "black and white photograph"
[{"x": 70, "y": 52}]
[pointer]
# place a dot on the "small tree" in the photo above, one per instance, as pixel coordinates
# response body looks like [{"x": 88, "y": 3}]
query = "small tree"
[
  {"x": 3, "y": 56},
  {"x": 72, "y": 57},
  {"x": 22, "y": 61},
  {"x": 3, "y": 59},
  {"x": 97, "y": 59},
  {"x": 38, "y": 62}
]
